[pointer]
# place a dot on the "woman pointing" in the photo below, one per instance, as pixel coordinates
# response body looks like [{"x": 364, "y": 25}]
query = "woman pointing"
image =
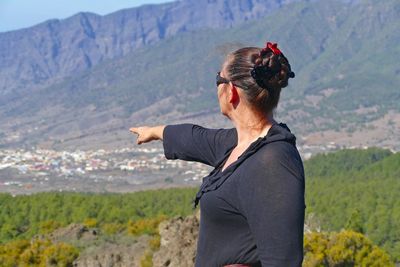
[{"x": 252, "y": 202}]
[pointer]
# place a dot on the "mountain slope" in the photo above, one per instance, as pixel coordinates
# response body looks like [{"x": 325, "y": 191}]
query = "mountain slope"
[
  {"x": 58, "y": 48},
  {"x": 334, "y": 88}
]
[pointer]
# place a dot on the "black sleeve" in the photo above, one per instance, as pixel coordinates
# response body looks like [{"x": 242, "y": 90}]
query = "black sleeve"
[
  {"x": 271, "y": 197},
  {"x": 195, "y": 143}
]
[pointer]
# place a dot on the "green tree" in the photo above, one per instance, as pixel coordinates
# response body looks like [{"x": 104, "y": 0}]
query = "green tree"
[{"x": 355, "y": 222}]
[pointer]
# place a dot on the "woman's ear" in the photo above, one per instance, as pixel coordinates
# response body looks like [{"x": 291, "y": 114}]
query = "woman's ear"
[{"x": 233, "y": 94}]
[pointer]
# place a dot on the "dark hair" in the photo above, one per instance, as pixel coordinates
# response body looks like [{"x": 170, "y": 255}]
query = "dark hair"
[{"x": 261, "y": 73}]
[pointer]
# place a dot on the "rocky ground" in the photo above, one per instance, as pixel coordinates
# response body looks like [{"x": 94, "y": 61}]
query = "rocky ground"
[
  {"x": 177, "y": 245},
  {"x": 178, "y": 242}
]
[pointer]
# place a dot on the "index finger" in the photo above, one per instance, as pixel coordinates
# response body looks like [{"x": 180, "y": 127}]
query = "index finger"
[{"x": 134, "y": 130}]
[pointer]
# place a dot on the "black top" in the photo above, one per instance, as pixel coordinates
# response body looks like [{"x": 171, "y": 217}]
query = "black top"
[{"x": 253, "y": 211}]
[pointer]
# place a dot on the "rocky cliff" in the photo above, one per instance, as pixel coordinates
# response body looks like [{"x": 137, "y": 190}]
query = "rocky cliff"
[{"x": 178, "y": 242}]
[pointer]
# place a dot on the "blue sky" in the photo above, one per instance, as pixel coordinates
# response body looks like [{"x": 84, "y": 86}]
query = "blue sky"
[{"x": 16, "y": 14}]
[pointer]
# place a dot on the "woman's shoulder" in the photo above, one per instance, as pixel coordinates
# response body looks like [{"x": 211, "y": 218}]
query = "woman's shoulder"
[{"x": 279, "y": 146}]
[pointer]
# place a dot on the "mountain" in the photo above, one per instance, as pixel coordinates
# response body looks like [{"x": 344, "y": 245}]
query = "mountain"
[
  {"x": 59, "y": 48},
  {"x": 344, "y": 56}
]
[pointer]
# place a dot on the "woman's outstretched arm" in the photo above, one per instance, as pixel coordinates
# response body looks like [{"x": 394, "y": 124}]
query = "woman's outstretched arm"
[{"x": 189, "y": 141}]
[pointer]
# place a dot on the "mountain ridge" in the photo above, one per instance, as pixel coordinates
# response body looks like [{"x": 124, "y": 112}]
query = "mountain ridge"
[
  {"x": 326, "y": 101},
  {"x": 59, "y": 48}
]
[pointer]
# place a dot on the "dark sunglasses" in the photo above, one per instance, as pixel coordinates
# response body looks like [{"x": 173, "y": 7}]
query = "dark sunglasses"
[{"x": 220, "y": 79}]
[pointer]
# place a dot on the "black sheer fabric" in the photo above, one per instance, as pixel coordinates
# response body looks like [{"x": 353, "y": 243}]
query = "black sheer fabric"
[{"x": 253, "y": 211}]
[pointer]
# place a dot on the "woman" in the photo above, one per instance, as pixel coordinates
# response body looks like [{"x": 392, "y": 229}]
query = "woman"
[{"x": 252, "y": 203}]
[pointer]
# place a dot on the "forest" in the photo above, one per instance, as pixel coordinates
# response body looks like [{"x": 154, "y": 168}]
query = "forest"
[
  {"x": 357, "y": 190},
  {"x": 352, "y": 199}
]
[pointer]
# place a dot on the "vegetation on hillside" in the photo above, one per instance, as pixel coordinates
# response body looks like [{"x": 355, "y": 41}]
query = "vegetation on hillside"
[
  {"x": 24, "y": 216},
  {"x": 356, "y": 190},
  {"x": 345, "y": 248},
  {"x": 37, "y": 252}
]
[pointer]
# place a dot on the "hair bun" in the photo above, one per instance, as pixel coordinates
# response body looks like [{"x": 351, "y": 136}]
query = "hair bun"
[
  {"x": 271, "y": 68},
  {"x": 261, "y": 74}
]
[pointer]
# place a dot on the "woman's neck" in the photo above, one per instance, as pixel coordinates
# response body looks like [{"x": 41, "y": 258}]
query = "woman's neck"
[{"x": 251, "y": 125}]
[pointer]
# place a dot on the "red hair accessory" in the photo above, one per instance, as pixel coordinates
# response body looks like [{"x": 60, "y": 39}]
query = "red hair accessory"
[{"x": 273, "y": 47}]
